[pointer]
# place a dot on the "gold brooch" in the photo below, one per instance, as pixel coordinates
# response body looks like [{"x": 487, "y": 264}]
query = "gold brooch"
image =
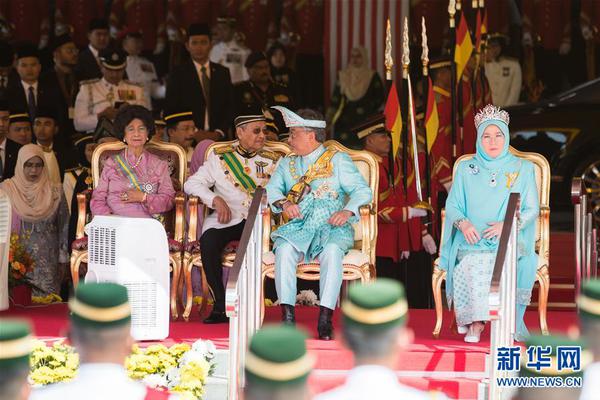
[{"x": 511, "y": 177}]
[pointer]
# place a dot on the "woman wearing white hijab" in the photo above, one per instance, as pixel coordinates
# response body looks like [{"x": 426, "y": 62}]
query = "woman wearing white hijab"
[
  {"x": 357, "y": 94},
  {"x": 40, "y": 217}
]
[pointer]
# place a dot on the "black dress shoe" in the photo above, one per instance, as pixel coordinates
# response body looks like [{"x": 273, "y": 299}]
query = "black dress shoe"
[
  {"x": 287, "y": 314},
  {"x": 325, "y": 326},
  {"x": 217, "y": 317}
]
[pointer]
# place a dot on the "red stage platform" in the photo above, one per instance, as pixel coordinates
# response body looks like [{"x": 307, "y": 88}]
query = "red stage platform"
[{"x": 446, "y": 364}]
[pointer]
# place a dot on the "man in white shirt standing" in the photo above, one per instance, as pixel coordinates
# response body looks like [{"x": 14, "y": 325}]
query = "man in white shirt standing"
[
  {"x": 225, "y": 183},
  {"x": 228, "y": 52},
  {"x": 374, "y": 328},
  {"x": 102, "y": 97},
  {"x": 139, "y": 69},
  {"x": 503, "y": 73}
]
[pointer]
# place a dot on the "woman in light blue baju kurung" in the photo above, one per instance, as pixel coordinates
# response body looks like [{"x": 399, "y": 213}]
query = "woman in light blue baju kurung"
[{"x": 479, "y": 196}]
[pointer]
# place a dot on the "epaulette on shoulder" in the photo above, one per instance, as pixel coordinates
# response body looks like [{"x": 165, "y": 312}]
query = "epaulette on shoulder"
[
  {"x": 271, "y": 155},
  {"x": 132, "y": 83},
  {"x": 89, "y": 81},
  {"x": 224, "y": 149}
]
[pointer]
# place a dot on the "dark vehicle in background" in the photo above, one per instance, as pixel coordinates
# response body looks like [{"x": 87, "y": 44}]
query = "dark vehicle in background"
[{"x": 566, "y": 130}]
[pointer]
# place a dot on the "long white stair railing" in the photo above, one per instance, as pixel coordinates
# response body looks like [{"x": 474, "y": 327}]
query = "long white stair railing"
[{"x": 242, "y": 295}]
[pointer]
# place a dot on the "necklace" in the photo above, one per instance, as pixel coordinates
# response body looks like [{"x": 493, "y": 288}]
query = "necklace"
[{"x": 139, "y": 160}]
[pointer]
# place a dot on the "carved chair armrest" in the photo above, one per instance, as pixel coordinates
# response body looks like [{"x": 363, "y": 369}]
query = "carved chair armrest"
[
  {"x": 82, "y": 200},
  {"x": 544, "y": 250},
  {"x": 365, "y": 224},
  {"x": 179, "y": 216},
  {"x": 266, "y": 234},
  {"x": 192, "y": 218}
]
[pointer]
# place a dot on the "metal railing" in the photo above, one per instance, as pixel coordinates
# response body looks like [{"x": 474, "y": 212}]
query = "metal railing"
[
  {"x": 242, "y": 295},
  {"x": 586, "y": 236},
  {"x": 502, "y": 301}
]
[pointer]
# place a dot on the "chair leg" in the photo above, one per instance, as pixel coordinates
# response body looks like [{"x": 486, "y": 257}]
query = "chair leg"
[
  {"x": 205, "y": 293},
  {"x": 544, "y": 279},
  {"x": 77, "y": 257},
  {"x": 436, "y": 283},
  {"x": 189, "y": 295},
  {"x": 262, "y": 297},
  {"x": 176, "y": 263}
]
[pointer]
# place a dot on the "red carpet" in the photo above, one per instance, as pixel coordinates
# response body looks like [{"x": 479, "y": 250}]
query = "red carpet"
[{"x": 446, "y": 364}]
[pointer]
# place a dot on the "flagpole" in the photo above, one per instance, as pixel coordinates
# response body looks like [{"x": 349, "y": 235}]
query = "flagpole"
[
  {"x": 411, "y": 114},
  {"x": 484, "y": 38},
  {"x": 459, "y": 90},
  {"x": 451, "y": 13},
  {"x": 389, "y": 63},
  {"x": 425, "y": 63},
  {"x": 404, "y": 107}
]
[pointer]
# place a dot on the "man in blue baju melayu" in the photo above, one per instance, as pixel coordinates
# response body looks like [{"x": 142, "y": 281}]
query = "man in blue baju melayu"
[{"x": 320, "y": 190}]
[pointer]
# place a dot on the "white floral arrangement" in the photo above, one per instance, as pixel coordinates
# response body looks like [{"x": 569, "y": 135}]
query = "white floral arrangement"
[{"x": 181, "y": 368}]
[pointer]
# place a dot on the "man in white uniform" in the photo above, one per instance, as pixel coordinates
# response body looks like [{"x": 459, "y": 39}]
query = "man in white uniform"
[
  {"x": 229, "y": 52},
  {"x": 100, "y": 331},
  {"x": 140, "y": 70},
  {"x": 233, "y": 172},
  {"x": 374, "y": 328},
  {"x": 503, "y": 73},
  {"x": 102, "y": 97}
]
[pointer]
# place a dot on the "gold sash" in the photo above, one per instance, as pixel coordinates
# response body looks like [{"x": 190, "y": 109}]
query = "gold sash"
[{"x": 322, "y": 168}]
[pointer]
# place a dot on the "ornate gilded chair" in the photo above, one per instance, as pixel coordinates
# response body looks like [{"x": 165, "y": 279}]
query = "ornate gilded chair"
[
  {"x": 174, "y": 220},
  {"x": 542, "y": 242},
  {"x": 359, "y": 263},
  {"x": 191, "y": 255}
]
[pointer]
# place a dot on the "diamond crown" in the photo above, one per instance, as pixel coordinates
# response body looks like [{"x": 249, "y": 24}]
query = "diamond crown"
[{"x": 491, "y": 112}]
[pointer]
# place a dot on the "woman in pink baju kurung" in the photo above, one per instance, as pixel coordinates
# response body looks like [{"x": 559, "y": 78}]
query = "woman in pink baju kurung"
[{"x": 134, "y": 183}]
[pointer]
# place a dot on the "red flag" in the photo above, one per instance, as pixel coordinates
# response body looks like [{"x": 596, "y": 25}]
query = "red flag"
[
  {"x": 393, "y": 119},
  {"x": 463, "y": 48},
  {"x": 478, "y": 32}
]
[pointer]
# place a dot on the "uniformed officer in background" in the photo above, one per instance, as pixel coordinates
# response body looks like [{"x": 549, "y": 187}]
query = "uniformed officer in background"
[
  {"x": 228, "y": 51},
  {"x": 99, "y": 98},
  {"x": 259, "y": 92},
  {"x": 503, "y": 73},
  {"x": 139, "y": 69}
]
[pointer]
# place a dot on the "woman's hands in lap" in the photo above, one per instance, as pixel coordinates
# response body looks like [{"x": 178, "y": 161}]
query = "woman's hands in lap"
[
  {"x": 494, "y": 230},
  {"x": 469, "y": 232},
  {"x": 134, "y": 196}
]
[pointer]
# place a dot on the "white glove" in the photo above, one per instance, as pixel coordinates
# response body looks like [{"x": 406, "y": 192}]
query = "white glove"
[
  {"x": 586, "y": 32},
  {"x": 113, "y": 31},
  {"x": 448, "y": 186},
  {"x": 160, "y": 46},
  {"x": 416, "y": 212},
  {"x": 404, "y": 255},
  {"x": 172, "y": 34},
  {"x": 565, "y": 48},
  {"x": 43, "y": 41},
  {"x": 527, "y": 39},
  {"x": 429, "y": 244}
]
